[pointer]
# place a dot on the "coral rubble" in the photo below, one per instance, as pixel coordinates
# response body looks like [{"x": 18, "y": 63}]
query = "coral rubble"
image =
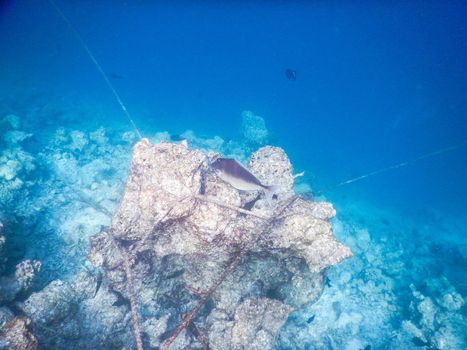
[{"x": 389, "y": 296}]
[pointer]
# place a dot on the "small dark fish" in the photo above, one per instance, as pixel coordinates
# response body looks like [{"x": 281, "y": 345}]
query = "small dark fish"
[
  {"x": 419, "y": 342},
  {"x": 291, "y": 74},
  {"x": 176, "y": 274},
  {"x": 327, "y": 282},
  {"x": 368, "y": 347},
  {"x": 385, "y": 221},
  {"x": 121, "y": 300},
  {"x": 99, "y": 279},
  {"x": 311, "y": 319},
  {"x": 196, "y": 333},
  {"x": 241, "y": 178},
  {"x": 176, "y": 137},
  {"x": 126, "y": 243},
  {"x": 250, "y": 204}
]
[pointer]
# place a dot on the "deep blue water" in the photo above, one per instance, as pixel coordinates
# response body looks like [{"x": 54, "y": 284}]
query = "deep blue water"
[{"x": 378, "y": 84}]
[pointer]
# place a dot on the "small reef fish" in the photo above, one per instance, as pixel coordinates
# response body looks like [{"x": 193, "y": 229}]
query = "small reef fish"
[
  {"x": 177, "y": 137},
  {"x": 291, "y": 74},
  {"x": 235, "y": 174}
]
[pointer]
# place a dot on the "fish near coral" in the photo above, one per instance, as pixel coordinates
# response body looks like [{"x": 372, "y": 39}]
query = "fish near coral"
[{"x": 236, "y": 175}]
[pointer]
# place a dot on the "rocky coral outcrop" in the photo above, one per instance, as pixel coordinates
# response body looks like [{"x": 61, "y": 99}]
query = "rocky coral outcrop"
[
  {"x": 25, "y": 272},
  {"x": 15, "y": 163},
  {"x": 435, "y": 322},
  {"x": 253, "y": 325},
  {"x": 15, "y": 335},
  {"x": 180, "y": 225},
  {"x": 183, "y": 240},
  {"x": 21, "y": 281},
  {"x": 11, "y": 286}
]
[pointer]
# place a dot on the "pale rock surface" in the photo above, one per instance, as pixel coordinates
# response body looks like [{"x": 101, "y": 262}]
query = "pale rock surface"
[
  {"x": 182, "y": 243},
  {"x": 15, "y": 335},
  {"x": 178, "y": 227},
  {"x": 256, "y": 323}
]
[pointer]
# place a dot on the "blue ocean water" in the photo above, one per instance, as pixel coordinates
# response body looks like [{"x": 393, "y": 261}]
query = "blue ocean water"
[{"x": 379, "y": 97}]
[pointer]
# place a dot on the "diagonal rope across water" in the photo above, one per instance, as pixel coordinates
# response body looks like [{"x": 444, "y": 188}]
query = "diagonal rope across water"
[
  {"x": 396, "y": 166},
  {"x": 98, "y": 66}
]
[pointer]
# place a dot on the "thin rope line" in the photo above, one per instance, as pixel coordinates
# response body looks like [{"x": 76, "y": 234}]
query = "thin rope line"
[
  {"x": 396, "y": 166},
  {"x": 98, "y": 66}
]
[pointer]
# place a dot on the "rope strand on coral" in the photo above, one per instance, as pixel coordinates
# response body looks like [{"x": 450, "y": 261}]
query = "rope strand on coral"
[
  {"x": 133, "y": 304},
  {"x": 230, "y": 268}
]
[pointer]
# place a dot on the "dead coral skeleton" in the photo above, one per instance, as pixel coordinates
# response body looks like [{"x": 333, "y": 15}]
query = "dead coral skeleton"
[
  {"x": 232, "y": 265},
  {"x": 187, "y": 318},
  {"x": 182, "y": 238}
]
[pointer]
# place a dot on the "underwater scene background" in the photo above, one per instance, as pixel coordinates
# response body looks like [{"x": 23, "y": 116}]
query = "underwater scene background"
[{"x": 368, "y": 100}]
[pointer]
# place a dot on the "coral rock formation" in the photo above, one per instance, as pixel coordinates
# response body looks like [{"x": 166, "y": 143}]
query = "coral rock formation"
[
  {"x": 178, "y": 223},
  {"x": 190, "y": 261},
  {"x": 15, "y": 335}
]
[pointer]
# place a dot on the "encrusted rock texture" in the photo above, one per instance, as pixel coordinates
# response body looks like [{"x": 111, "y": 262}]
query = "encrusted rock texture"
[
  {"x": 179, "y": 226},
  {"x": 15, "y": 335},
  {"x": 181, "y": 243}
]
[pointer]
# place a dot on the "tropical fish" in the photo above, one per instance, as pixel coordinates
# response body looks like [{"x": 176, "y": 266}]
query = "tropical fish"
[
  {"x": 418, "y": 342},
  {"x": 235, "y": 174},
  {"x": 177, "y": 137},
  {"x": 291, "y": 74}
]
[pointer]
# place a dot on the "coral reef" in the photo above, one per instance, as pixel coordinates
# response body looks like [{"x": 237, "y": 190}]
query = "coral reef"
[
  {"x": 373, "y": 300},
  {"x": 78, "y": 312},
  {"x": 15, "y": 163},
  {"x": 15, "y": 335},
  {"x": 25, "y": 272},
  {"x": 14, "y": 331},
  {"x": 208, "y": 265},
  {"x": 254, "y": 128},
  {"x": 254, "y": 325},
  {"x": 20, "y": 282},
  {"x": 435, "y": 322},
  {"x": 186, "y": 265},
  {"x": 62, "y": 194}
]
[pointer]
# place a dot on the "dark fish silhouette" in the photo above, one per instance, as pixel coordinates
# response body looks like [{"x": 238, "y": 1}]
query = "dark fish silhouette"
[
  {"x": 98, "y": 282},
  {"x": 177, "y": 137},
  {"x": 291, "y": 74},
  {"x": 418, "y": 342},
  {"x": 251, "y": 203},
  {"x": 241, "y": 178},
  {"x": 121, "y": 300}
]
